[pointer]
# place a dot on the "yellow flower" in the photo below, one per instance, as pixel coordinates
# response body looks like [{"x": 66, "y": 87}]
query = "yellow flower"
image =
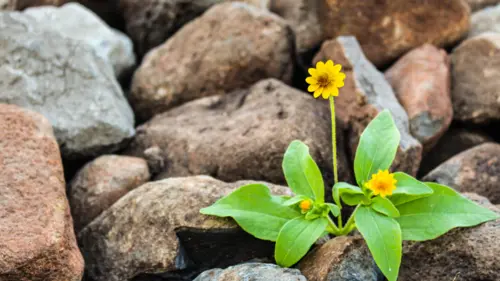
[
  {"x": 305, "y": 205},
  {"x": 382, "y": 183},
  {"x": 326, "y": 79}
]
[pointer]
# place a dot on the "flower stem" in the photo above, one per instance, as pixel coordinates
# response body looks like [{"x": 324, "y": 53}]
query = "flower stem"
[
  {"x": 334, "y": 141},
  {"x": 334, "y": 229},
  {"x": 349, "y": 226}
]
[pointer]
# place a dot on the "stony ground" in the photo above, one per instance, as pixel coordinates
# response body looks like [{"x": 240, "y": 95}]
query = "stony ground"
[{"x": 120, "y": 119}]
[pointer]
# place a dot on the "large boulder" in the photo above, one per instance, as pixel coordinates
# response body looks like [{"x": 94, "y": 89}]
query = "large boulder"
[
  {"x": 37, "y": 239},
  {"x": 366, "y": 93},
  {"x": 200, "y": 60},
  {"x": 386, "y": 29},
  {"x": 158, "y": 228},
  {"x": 252, "y": 272},
  {"x": 241, "y": 135},
  {"x": 65, "y": 81}
]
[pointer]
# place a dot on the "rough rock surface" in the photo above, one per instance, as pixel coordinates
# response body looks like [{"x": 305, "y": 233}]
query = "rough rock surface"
[
  {"x": 200, "y": 60},
  {"x": 75, "y": 21},
  {"x": 476, "y": 78},
  {"x": 252, "y": 272},
  {"x": 101, "y": 183},
  {"x": 242, "y": 135},
  {"x": 387, "y": 29},
  {"x": 37, "y": 239},
  {"x": 479, "y": 4},
  {"x": 475, "y": 170},
  {"x": 157, "y": 227},
  {"x": 463, "y": 254},
  {"x": 65, "y": 81},
  {"x": 344, "y": 258},
  {"x": 487, "y": 20},
  {"x": 421, "y": 81},
  {"x": 365, "y": 94}
]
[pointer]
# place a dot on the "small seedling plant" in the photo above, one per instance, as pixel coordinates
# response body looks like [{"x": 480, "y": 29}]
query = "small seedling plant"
[{"x": 389, "y": 208}]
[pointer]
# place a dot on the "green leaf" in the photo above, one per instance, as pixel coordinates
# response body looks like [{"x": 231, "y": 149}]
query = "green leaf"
[
  {"x": 383, "y": 236},
  {"x": 334, "y": 209},
  {"x": 408, "y": 189},
  {"x": 301, "y": 172},
  {"x": 385, "y": 207},
  {"x": 430, "y": 217},
  {"x": 377, "y": 147},
  {"x": 255, "y": 210},
  {"x": 349, "y": 193},
  {"x": 295, "y": 200},
  {"x": 295, "y": 239}
]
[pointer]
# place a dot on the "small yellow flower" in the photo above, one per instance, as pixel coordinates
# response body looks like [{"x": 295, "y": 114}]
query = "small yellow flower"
[
  {"x": 305, "y": 205},
  {"x": 326, "y": 79},
  {"x": 382, "y": 183}
]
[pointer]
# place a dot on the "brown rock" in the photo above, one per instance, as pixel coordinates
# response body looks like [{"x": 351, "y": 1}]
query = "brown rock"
[
  {"x": 479, "y": 4},
  {"x": 476, "y": 78},
  {"x": 421, "y": 81},
  {"x": 344, "y": 258},
  {"x": 37, "y": 239},
  {"x": 158, "y": 228},
  {"x": 200, "y": 60},
  {"x": 475, "y": 170},
  {"x": 252, "y": 271},
  {"x": 365, "y": 94},
  {"x": 386, "y": 29},
  {"x": 101, "y": 183},
  {"x": 242, "y": 135}
]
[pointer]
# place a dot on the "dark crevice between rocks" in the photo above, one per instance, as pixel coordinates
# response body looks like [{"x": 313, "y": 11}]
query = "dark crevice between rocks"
[{"x": 201, "y": 250}]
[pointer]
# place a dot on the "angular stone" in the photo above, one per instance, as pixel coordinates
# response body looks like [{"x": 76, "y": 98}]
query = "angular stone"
[
  {"x": 388, "y": 29},
  {"x": 37, "y": 239},
  {"x": 101, "y": 183},
  {"x": 475, "y": 170},
  {"x": 366, "y": 93},
  {"x": 465, "y": 254},
  {"x": 421, "y": 81},
  {"x": 344, "y": 258},
  {"x": 479, "y": 4},
  {"x": 242, "y": 135},
  {"x": 253, "y": 272},
  {"x": 75, "y": 21},
  {"x": 158, "y": 228},
  {"x": 200, "y": 61},
  {"x": 65, "y": 81},
  {"x": 476, "y": 78}
]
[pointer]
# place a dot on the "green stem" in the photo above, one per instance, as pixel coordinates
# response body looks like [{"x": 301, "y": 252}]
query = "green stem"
[
  {"x": 349, "y": 226},
  {"x": 335, "y": 230},
  {"x": 334, "y": 141}
]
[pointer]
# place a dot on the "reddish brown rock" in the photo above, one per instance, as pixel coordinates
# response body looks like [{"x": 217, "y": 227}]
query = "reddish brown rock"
[
  {"x": 37, "y": 239},
  {"x": 421, "y": 81},
  {"x": 479, "y": 4},
  {"x": 386, "y": 29},
  {"x": 365, "y": 94},
  {"x": 476, "y": 78},
  {"x": 200, "y": 60},
  {"x": 101, "y": 183},
  {"x": 475, "y": 170}
]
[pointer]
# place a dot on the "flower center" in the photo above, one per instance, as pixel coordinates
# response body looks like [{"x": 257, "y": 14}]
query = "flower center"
[
  {"x": 323, "y": 80},
  {"x": 305, "y": 205}
]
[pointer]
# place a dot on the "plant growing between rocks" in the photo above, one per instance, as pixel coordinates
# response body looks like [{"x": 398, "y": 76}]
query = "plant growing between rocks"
[{"x": 389, "y": 207}]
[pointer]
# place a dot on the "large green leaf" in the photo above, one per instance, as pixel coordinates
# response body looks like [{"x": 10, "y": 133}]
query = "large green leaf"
[
  {"x": 377, "y": 147},
  {"x": 408, "y": 189},
  {"x": 301, "y": 172},
  {"x": 383, "y": 236},
  {"x": 429, "y": 217},
  {"x": 349, "y": 193},
  {"x": 295, "y": 239},
  {"x": 384, "y": 206},
  {"x": 255, "y": 210}
]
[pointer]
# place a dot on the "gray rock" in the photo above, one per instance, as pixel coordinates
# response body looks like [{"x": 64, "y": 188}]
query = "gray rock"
[
  {"x": 67, "y": 82},
  {"x": 486, "y": 20},
  {"x": 252, "y": 272},
  {"x": 75, "y": 21},
  {"x": 476, "y": 5}
]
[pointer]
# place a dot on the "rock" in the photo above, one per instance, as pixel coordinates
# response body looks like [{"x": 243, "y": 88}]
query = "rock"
[
  {"x": 77, "y": 22},
  {"x": 479, "y": 4},
  {"x": 452, "y": 143},
  {"x": 263, "y": 4},
  {"x": 475, "y": 170},
  {"x": 200, "y": 61},
  {"x": 242, "y": 135},
  {"x": 302, "y": 15},
  {"x": 475, "y": 79},
  {"x": 463, "y": 254},
  {"x": 344, "y": 258},
  {"x": 365, "y": 94},
  {"x": 157, "y": 228},
  {"x": 387, "y": 29},
  {"x": 483, "y": 21},
  {"x": 4, "y": 4},
  {"x": 101, "y": 183},
  {"x": 253, "y": 272},
  {"x": 38, "y": 242},
  {"x": 67, "y": 82},
  {"x": 421, "y": 81}
]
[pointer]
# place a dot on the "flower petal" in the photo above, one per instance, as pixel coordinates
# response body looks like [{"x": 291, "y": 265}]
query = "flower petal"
[
  {"x": 313, "y": 72},
  {"x": 312, "y": 88},
  {"x": 339, "y": 83},
  {"x": 337, "y": 68},
  {"x": 320, "y": 66},
  {"x": 326, "y": 93},
  {"x": 318, "y": 92},
  {"x": 329, "y": 64},
  {"x": 311, "y": 80},
  {"x": 335, "y": 91},
  {"x": 340, "y": 76}
]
